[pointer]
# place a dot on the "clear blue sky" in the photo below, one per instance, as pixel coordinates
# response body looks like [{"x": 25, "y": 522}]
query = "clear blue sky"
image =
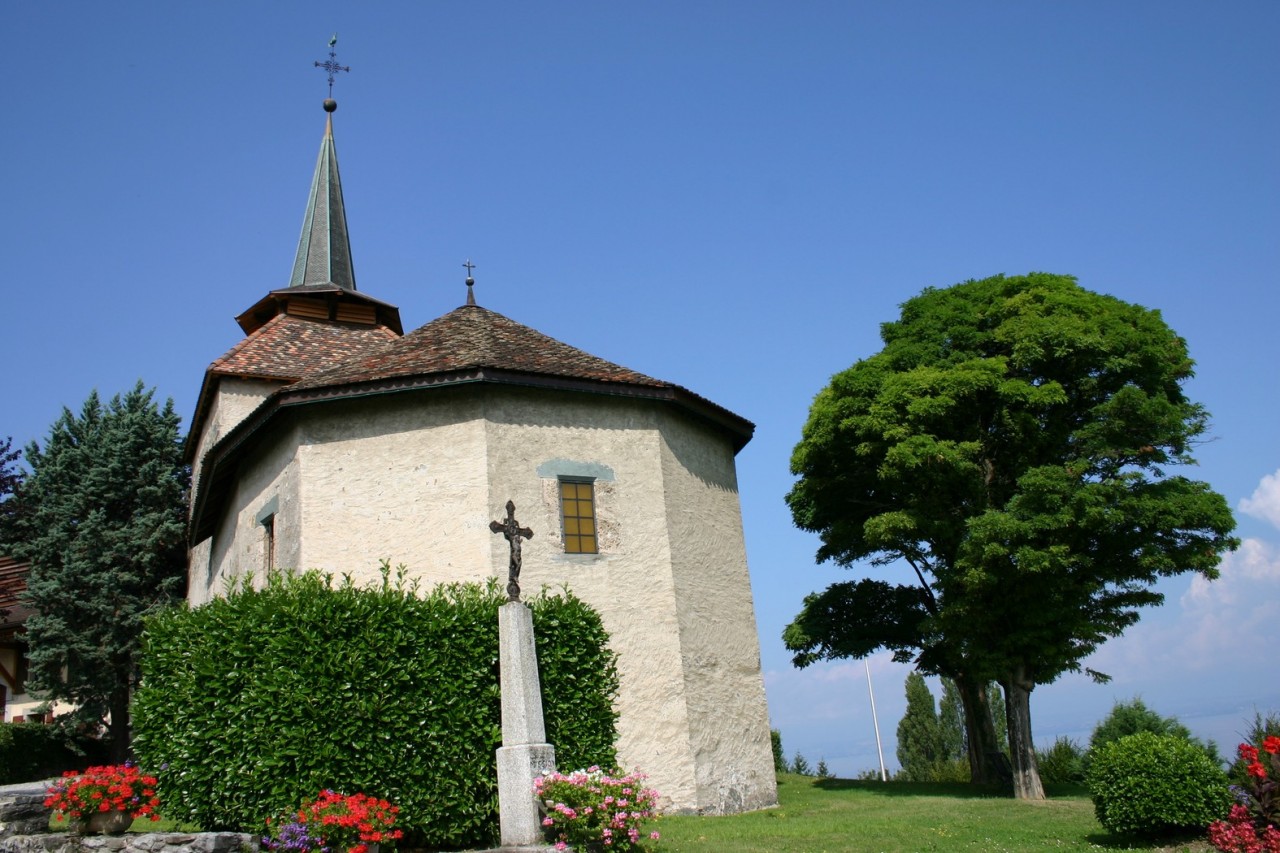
[{"x": 728, "y": 195}]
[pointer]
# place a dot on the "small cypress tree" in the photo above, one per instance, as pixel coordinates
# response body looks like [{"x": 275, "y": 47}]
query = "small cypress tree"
[
  {"x": 779, "y": 758},
  {"x": 951, "y": 723},
  {"x": 800, "y": 766},
  {"x": 920, "y": 744}
]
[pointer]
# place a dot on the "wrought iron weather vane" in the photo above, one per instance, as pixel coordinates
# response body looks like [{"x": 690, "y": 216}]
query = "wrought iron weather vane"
[{"x": 331, "y": 64}]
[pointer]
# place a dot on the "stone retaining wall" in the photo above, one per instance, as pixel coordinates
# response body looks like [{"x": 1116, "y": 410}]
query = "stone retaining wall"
[
  {"x": 24, "y": 824},
  {"x": 150, "y": 842}
]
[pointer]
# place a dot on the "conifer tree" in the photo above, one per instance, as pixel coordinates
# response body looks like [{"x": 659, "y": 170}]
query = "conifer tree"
[
  {"x": 920, "y": 742},
  {"x": 10, "y": 478},
  {"x": 101, "y": 519},
  {"x": 951, "y": 723}
]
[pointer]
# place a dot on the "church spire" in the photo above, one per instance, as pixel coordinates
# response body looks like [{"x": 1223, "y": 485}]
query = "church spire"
[{"x": 324, "y": 250}]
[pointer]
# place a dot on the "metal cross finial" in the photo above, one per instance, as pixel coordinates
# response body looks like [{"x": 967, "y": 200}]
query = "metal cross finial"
[
  {"x": 471, "y": 295},
  {"x": 331, "y": 65},
  {"x": 513, "y": 533}
]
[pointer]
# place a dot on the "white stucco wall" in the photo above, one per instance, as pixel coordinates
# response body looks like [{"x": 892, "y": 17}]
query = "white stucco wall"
[
  {"x": 416, "y": 479},
  {"x": 269, "y": 482},
  {"x": 233, "y": 400},
  {"x": 719, "y": 645}
]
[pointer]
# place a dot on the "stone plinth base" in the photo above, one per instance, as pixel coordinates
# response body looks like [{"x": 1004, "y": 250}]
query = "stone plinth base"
[
  {"x": 155, "y": 842},
  {"x": 520, "y": 822}
]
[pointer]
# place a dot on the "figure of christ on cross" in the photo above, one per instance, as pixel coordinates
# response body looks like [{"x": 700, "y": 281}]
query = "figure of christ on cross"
[{"x": 513, "y": 533}]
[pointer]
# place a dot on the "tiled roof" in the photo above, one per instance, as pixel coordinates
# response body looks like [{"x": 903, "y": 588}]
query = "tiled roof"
[
  {"x": 474, "y": 337},
  {"x": 289, "y": 347},
  {"x": 13, "y": 582},
  {"x": 468, "y": 345}
]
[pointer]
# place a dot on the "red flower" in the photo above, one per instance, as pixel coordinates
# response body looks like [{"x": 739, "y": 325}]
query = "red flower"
[
  {"x": 1271, "y": 744},
  {"x": 1256, "y": 769},
  {"x": 1248, "y": 753}
]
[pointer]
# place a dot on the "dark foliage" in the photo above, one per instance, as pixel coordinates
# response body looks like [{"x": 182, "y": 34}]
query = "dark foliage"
[
  {"x": 255, "y": 701},
  {"x": 101, "y": 519}
]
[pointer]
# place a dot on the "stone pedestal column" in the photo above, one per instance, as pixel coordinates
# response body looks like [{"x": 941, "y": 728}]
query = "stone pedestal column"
[{"x": 524, "y": 754}]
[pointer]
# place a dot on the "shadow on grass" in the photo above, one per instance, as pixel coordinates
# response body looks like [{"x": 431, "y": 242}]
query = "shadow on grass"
[
  {"x": 1171, "y": 841},
  {"x": 955, "y": 790}
]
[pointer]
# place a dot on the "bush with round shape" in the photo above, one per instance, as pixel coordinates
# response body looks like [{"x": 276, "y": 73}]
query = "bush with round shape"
[{"x": 1149, "y": 784}]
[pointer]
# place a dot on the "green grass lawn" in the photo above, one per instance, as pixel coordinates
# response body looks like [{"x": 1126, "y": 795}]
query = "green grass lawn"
[
  {"x": 834, "y": 815},
  {"x": 837, "y": 815}
]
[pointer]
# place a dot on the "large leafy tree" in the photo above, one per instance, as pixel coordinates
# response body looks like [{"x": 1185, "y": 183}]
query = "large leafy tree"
[
  {"x": 100, "y": 518},
  {"x": 1009, "y": 447}
]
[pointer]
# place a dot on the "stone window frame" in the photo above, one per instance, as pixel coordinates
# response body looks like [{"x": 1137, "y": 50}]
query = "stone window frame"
[
  {"x": 266, "y": 519},
  {"x": 592, "y": 518},
  {"x": 553, "y": 472}
]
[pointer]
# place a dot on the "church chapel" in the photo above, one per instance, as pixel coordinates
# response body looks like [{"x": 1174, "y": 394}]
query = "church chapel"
[{"x": 328, "y": 438}]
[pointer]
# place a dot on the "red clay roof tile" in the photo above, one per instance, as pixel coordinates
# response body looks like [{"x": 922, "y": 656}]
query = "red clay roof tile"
[
  {"x": 471, "y": 337},
  {"x": 289, "y": 347}
]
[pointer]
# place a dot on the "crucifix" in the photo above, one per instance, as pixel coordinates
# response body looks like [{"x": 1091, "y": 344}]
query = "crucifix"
[{"x": 513, "y": 533}]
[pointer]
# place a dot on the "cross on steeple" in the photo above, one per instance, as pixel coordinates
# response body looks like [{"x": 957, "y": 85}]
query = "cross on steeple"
[
  {"x": 331, "y": 64},
  {"x": 471, "y": 296}
]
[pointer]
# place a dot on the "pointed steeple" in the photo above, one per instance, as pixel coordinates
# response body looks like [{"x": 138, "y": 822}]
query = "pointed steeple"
[{"x": 324, "y": 250}]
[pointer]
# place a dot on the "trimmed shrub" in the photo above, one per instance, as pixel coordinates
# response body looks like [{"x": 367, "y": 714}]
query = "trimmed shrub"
[
  {"x": 1149, "y": 784},
  {"x": 1061, "y": 763},
  {"x": 1129, "y": 718},
  {"x": 254, "y": 702},
  {"x": 30, "y": 752}
]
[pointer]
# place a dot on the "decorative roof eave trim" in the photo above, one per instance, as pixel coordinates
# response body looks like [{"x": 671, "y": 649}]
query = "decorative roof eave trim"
[{"x": 219, "y": 459}]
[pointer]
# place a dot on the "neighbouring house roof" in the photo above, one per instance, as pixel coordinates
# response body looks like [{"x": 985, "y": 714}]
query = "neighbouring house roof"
[
  {"x": 468, "y": 345},
  {"x": 13, "y": 583}
]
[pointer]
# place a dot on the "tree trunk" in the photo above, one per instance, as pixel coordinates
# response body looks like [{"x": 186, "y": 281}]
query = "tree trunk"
[
  {"x": 979, "y": 732},
  {"x": 1017, "y": 698},
  {"x": 118, "y": 730}
]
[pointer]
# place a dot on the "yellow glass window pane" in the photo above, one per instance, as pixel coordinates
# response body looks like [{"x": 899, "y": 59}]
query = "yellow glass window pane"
[
  {"x": 571, "y": 526},
  {"x": 588, "y": 545},
  {"x": 586, "y": 527},
  {"x": 568, "y": 490},
  {"x": 584, "y": 491},
  {"x": 572, "y": 545}
]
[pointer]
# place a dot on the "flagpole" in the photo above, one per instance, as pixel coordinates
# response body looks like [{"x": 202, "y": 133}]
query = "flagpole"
[{"x": 875, "y": 721}]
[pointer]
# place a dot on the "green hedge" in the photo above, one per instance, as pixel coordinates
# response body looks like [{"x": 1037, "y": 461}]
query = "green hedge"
[
  {"x": 34, "y": 751},
  {"x": 253, "y": 702}
]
